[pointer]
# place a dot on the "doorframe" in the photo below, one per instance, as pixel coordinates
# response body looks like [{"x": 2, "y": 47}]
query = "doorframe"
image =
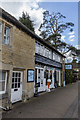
[
  {"x": 20, "y": 82},
  {"x": 37, "y": 75}
]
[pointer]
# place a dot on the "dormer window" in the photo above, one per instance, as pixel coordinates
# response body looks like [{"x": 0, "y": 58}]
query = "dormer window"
[{"x": 7, "y": 35}]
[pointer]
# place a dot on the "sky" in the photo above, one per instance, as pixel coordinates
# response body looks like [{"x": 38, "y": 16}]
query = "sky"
[{"x": 35, "y": 9}]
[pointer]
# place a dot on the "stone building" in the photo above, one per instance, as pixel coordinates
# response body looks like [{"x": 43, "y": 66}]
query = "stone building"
[
  {"x": 18, "y": 61},
  {"x": 17, "y": 56}
]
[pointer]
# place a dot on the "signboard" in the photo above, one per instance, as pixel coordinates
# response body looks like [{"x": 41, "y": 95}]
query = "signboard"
[
  {"x": 30, "y": 75},
  {"x": 68, "y": 67}
]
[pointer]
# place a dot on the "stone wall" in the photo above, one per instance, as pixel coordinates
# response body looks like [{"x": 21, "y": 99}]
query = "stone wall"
[{"x": 19, "y": 55}]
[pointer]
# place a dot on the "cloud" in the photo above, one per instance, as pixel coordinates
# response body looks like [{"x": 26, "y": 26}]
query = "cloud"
[
  {"x": 71, "y": 36},
  {"x": 71, "y": 40},
  {"x": 63, "y": 38},
  {"x": 77, "y": 46},
  {"x": 39, "y": 0},
  {"x": 71, "y": 33},
  {"x": 20, "y": 1},
  {"x": 32, "y": 8}
]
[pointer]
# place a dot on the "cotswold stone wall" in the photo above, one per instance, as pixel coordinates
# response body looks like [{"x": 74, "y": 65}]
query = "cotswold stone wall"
[{"x": 19, "y": 55}]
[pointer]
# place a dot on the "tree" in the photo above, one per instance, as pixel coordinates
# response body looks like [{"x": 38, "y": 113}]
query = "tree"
[
  {"x": 52, "y": 28},
  {"x": 25, "y": 19},
  {"x": 74, "y": 61}
]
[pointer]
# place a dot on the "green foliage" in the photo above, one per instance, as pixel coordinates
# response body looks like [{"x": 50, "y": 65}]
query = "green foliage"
[
  {"x": 79, "y": 62},
  {"x": 25, "y": 19},
  {"x": 68, "y": 76},
  {"x": 52, "y": 29},
  {"x": 74, "y": 60}
]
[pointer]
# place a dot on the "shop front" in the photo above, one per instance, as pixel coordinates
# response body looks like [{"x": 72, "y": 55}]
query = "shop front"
[
  {"x": 49, "y": 75},
  {"x": 57, "y": 78},
  {"x": 42, "y": 74},
  {"x": 39, "y": 78}
]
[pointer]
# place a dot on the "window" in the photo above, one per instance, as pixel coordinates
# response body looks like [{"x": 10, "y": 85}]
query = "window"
[
  {"x": 55, "y": 57},
  {"x": 0, "y": 32},
  {"x": 6, "y": 35},
  {"x": 41, "y": 50},
  {"x": 3, "y": 79},
  {"x": 58, "y": 58},
  {"x": 36, "y": 47},
  {"x": 50, "y": 54}
]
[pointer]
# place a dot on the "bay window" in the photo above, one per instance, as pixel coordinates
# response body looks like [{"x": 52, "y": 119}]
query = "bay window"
[{"x": 3, "y": 79}]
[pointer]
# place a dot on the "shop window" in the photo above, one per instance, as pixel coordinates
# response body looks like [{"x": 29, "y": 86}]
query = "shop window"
[
  {"x": 51, "y": 76},
  {"x": 7, "y": 35},
  {"x": 3, "y": 79}
]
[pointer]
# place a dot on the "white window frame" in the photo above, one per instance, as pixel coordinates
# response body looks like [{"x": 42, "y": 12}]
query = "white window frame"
[
  {"x": 36, "y": 48},
  {"x": 3, "y": 92},
  {"x": 6, "y": 41},
  {"x": 50, "y": 54}
]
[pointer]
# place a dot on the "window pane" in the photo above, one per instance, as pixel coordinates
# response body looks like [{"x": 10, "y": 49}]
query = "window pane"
[
  {"x": 2, "y": 75},
  {"x": 2, "y": 80},
  {"x": 12, "y": 85},
  {"x": 2, "y": 86},
  {"x": 15, "y": 85},
  {"x": 0, "y": 32},
  {"x": 6, "y": 35},
  {"x": 19, "y": 74},
  {"x": 18, "y": 79},
  {"x": 15, "y": 79},
  {"x": 18, "y": 85},
  {"x": 0, "y": 27},
  {"x": 12, "y": 80}
]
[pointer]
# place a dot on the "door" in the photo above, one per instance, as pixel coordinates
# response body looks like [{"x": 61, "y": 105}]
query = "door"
[
  {"x": 16, "y": 91},
  {"x": 39, "y": 77}
]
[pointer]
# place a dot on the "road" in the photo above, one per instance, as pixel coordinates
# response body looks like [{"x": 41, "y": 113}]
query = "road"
[{"x": 59, "y": 103}]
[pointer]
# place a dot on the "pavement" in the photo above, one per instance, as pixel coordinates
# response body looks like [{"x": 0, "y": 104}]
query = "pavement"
[{"x": 59, "y": 103}]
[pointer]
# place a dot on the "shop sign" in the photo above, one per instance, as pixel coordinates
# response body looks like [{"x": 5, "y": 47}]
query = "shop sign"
[{"x": 68, "y": 66}]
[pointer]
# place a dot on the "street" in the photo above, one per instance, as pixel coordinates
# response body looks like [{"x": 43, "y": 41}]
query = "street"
[{"x": 59, "y": 103}]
